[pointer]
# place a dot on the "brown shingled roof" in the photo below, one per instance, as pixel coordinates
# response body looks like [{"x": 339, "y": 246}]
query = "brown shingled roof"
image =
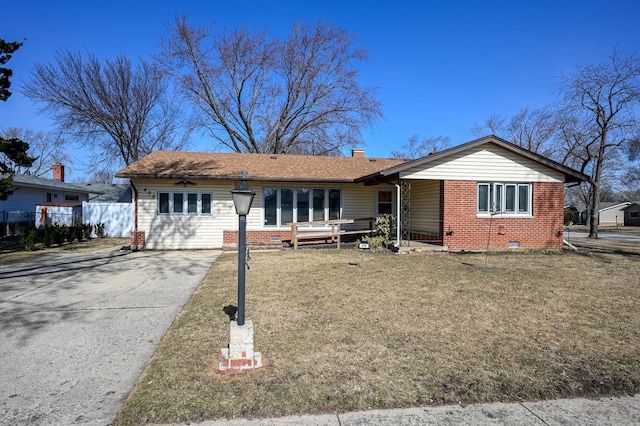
[{"x": 202, "y": 165}]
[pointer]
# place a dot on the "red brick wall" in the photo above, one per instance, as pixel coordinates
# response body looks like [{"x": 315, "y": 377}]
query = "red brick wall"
[
  {"x": 464, "y": 231},
  {"x": 257, "y": 238}
]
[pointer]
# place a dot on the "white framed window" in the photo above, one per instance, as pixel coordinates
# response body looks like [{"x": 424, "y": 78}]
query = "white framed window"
[
  {"x": 285, "y": 205},
  {"x": 504, "y": 198},
  {"x": 185, "y": 203}
]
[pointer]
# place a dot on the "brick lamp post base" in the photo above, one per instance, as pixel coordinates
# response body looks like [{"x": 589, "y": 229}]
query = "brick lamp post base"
[{"x": 239, "y": 356}]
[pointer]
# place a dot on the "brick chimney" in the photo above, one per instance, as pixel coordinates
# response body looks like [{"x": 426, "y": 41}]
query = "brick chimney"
[
  {"x": 58, "y": 172},
  {"x": 359, "y": 153}
]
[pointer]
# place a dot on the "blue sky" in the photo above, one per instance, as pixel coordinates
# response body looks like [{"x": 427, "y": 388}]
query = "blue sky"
[{"x": 439, "y": 66}]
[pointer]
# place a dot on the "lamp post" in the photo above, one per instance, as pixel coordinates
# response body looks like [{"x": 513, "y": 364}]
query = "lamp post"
[
  {"x": 242, "y": 199},
  {"x": 239, "y": 355}
]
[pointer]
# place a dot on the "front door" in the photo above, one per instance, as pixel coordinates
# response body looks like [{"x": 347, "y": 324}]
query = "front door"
[{"x": 384, "y": 202}]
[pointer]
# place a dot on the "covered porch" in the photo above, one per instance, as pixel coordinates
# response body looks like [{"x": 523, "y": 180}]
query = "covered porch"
[{"x": 418, "y": 208}]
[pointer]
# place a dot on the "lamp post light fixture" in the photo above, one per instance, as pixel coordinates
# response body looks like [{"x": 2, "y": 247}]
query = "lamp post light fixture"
[{"x": 242, "y": 198}]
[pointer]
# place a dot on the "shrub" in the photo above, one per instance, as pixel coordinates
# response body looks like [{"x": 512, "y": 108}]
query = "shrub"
[
  {"x": 99, "y": 229},
  {"x": 59, "y": 233},
  {"x": 383, "y": 233},
  {"x": 28, "y": 238},
  {"x": 86, "y": 231},
  {"x": 47, "y": 240},
  {"x": 570, "y": 217},
  {"x": 78, "y": 232},
  {"x": 70, "y": 234}
]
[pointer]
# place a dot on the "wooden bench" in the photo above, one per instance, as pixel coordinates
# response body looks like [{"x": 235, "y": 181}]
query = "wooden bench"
[{"x": 313, "y": 231}]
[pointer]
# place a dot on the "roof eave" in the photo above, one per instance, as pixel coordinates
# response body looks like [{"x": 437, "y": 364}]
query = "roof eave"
[
  {"x": 53, "y": 187},
  {"x": 570, "y": 174},
  {"x": 233, "y": 177}
]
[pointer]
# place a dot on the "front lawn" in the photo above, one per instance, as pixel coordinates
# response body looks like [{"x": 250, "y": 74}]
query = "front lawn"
[
  {"x": 409, "y": 330},
  {"x": 11, "y": 249}
]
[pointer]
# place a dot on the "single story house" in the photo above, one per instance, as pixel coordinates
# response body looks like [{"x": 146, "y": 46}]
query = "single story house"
[
  {"x": 632, "y": 214},
  {"x": 612, "y": 213},
  {"x": 487, "y": 193},
  {"x": 30, "y": 191}
]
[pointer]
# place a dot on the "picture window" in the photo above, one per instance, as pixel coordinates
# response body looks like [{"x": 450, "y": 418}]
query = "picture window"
[{"x": 286, "y": 205}]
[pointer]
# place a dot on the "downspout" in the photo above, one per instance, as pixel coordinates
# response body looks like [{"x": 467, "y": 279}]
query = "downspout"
[
  {"x": 398, "y": 215},
  {"x": 135, "y": 214}
]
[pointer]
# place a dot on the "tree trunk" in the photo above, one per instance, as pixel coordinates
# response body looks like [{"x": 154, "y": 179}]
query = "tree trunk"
[{"x": 595, "y": 185}]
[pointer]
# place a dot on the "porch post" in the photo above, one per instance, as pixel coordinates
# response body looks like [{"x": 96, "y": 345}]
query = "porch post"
[{"x": 405, "y": 209}]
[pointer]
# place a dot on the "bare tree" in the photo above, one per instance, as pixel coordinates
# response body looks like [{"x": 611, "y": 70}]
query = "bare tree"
[
  {"x": 47, "y": 148},
  {"x": 415, "y": 147},
  {"x": 494, "y": 125},
  {"x": 102, "y": 176},
  {"x": 118, "y": 111},
  {"x": 261, "y": 95},
  {"x": 535, "y": 130},
  {"x": 602, "y": 101}
]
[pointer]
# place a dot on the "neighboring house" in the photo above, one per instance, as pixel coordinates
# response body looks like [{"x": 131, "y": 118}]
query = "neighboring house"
[
  {"x": 485, "y": 194},
  {"x": 632, "y": 214},
  {"x": 109, "y": 192},
  {"x": 111, "y": 206},
  {"x": 30, "y": 191},
  {"x": 612, "y": 213}
]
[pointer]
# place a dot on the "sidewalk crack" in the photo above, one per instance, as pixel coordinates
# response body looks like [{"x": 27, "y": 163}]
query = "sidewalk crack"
[{"x": 529, "y": 410}]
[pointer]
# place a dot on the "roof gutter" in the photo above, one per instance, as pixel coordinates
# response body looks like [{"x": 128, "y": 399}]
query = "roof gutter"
[{"x": 237, "y": 178}]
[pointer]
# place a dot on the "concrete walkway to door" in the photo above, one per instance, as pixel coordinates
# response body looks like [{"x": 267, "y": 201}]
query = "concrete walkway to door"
[{"x": 77, "y": 329}]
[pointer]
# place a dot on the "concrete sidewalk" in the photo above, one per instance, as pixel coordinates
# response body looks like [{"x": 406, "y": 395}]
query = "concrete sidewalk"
[{"x": 580, "y": 411}]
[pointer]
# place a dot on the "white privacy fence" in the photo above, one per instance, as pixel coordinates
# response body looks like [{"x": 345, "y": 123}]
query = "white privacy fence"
[{"x": 117, "y": 217}]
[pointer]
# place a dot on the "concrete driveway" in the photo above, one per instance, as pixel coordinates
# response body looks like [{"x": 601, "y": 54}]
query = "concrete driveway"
[
  {"x": 608, "y": 235},
  {"x": 77, "y": 329}
]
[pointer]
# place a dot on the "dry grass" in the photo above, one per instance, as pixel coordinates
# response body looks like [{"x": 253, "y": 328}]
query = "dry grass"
[
  {"x": 404, "y": 331},
  {"x": 11, "y": 250}
]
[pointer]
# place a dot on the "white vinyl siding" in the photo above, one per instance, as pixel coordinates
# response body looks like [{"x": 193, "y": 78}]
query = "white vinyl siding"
[
  {"x": 486, "y": 163},
  {"x": 425, "y": 201},
  {"x": 359, "y": 201},
  {"x": 206, "y": 231},
  {"x": 612, "y": 214},
  {"x": 185, "y": 231}
]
